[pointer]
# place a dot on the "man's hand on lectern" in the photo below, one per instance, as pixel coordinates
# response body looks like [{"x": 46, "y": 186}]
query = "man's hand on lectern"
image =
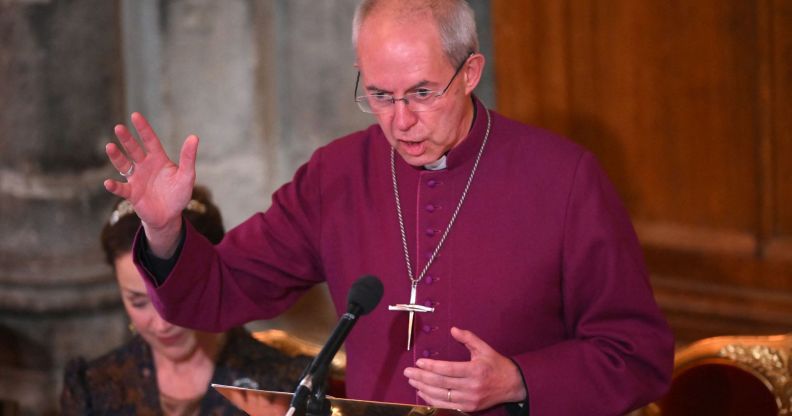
[{"x": 488, "y": 379}]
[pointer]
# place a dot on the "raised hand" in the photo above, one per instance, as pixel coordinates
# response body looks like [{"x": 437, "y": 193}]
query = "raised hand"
[
  {"x": 157, "y": 188},
  {"x": 488, "y": 379}
]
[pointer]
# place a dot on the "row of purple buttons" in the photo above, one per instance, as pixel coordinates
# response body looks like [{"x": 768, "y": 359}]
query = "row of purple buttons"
[
  {"x": 430, "y": 232},
  {"x": 431, "y": 183}
]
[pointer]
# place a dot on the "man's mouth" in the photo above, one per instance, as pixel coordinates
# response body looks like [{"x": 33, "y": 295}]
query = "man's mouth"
[{"x": 412, "y": 148}]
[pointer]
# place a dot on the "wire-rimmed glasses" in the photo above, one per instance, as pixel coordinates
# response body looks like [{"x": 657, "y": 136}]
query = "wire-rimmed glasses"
[{"x": 423, "y": 99}]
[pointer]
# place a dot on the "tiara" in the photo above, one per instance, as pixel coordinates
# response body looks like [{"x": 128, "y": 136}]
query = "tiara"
[{"x": 125, "y": 208}]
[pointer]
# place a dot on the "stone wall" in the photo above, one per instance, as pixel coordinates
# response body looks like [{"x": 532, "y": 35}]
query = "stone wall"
[{"x": 262, "y": 82}]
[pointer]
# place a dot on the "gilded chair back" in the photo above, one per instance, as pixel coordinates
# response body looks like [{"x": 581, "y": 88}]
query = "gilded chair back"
[{"x": 730, "y": 375}]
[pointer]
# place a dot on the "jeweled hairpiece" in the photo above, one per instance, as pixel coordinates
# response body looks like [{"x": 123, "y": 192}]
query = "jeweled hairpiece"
[{"x": 125, "y": 208}]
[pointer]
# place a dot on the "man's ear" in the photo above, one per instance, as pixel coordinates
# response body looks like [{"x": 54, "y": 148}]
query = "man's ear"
[{"x": 472, "y": 72}]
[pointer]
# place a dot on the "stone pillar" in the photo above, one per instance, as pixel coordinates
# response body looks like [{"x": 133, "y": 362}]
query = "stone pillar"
[{"x": 60, "y": 93}]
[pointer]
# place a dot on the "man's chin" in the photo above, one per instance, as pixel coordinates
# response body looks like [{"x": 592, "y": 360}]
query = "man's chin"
[{"x": 416, "y": 161}]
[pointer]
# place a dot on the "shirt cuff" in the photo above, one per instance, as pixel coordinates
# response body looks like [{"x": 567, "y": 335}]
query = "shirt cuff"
[
  {"x": 519, "y": 408},
  {"x": 158, "y": 268}
]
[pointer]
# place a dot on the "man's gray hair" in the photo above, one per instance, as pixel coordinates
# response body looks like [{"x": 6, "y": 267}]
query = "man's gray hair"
[{"x": 455, "y": 20}]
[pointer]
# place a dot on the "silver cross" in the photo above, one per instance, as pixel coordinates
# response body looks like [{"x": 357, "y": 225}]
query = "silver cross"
[{"x": 411, "y": 308}]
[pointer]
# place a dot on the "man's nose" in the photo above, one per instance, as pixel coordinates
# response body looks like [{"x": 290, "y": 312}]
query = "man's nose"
[{"x": 403, "y": 117}]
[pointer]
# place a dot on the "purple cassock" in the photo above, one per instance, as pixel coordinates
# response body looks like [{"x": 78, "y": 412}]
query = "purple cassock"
[{"x": 542, "y": 264}]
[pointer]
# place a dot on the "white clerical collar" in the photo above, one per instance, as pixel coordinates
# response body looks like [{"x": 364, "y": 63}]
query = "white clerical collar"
[{"x": 439, "y": 164}]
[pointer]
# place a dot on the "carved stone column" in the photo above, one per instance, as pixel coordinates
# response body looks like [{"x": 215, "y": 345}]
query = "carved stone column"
[{"x": 60, "y": 94}]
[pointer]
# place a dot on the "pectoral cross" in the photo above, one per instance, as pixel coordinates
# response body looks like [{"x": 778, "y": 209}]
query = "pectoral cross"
[{"x": 411, "y": 308}]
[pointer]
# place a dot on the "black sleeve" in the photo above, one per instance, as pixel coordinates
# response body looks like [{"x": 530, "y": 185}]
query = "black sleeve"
[
  {"x": 520, "y": 408},
  {"x": 159, "y": 268}
]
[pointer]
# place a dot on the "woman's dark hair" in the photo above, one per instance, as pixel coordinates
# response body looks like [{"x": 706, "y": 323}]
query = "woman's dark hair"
[{"x": 119, "y": 231}]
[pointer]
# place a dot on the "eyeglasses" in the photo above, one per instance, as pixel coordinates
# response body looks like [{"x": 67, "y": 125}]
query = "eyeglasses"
[{"x": 423, "y": 99}]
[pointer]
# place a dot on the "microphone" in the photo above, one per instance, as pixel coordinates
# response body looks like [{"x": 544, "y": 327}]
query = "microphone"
[{"x": 363, "y": 297}]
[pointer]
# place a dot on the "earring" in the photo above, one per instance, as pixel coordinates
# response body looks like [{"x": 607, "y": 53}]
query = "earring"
[{"x": 132, "y": 329}]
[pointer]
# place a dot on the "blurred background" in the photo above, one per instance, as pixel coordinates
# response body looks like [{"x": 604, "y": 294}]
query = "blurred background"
[{"x": 688, "y": 105}]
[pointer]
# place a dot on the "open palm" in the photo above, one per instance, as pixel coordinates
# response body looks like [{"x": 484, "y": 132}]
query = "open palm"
[{"x": 157, "y": 188}]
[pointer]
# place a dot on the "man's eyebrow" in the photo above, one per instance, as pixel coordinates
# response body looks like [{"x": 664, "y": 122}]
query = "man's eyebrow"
[
  {"x": 414, "y": 87},
  {"x": 377, "y": 89}
]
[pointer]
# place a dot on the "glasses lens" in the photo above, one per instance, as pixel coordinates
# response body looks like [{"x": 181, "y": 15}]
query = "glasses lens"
[
  {"x": 416, "y": 102},
  {"x": 363, "y": 104},
  {"x": 421, "y": 100},
  {"x": 375, "y": 103}
]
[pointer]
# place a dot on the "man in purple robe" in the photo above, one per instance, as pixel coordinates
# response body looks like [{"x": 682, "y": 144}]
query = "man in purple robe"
[{"x": 513, "y": 279}]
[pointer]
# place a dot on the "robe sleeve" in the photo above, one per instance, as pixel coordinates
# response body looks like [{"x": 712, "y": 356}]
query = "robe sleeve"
[
  {"x": 259, "y": 269},
  {"x": 618, "y": 354}
]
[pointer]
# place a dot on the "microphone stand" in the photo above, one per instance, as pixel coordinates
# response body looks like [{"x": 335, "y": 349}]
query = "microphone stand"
[
  {"x": 318, "y": 405},
  {"x": 364, "y": 295}
]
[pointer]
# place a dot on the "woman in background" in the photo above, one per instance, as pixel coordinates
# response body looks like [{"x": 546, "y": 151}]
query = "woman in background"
[{"x": 164, "y": 368}]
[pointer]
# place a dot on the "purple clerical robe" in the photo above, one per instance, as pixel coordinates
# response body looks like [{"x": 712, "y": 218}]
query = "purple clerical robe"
[{"x": 542, "y": 264}]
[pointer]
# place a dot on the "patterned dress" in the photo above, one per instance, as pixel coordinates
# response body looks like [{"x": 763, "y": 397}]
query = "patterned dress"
[{"x": 124, "y": 382}]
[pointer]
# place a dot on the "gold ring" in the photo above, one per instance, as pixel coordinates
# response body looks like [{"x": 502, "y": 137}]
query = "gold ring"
[{"x": 448, "y": 397}]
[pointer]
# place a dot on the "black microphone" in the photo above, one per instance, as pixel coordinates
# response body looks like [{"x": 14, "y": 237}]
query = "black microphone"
[{"x": 364, "y": 295}]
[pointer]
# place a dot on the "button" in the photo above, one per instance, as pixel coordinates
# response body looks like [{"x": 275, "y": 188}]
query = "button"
[
  {"x": 427, "y": 329},
  {"x": 429, "y": 280},
  {"x": 431, "y": 183},
  {"x": 429, "y": 303},
  {"x": 426, "y": 353},
  {"x": 431, "y": 232},
  {"x": 430, "y": 208}
]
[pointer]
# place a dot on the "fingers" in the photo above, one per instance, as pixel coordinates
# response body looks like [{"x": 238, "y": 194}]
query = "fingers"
[
  {"x": 437, "y": 392},
  {"x": 451, "y": 395},
  {"x": 128, "y": 142},
  {"x": 438, "y": 397},
  {"x": 443, "y": 369},
  {"x": 146, "y": 133},
  {"x": 472, "y": 342},
  {"x": 117, "y": 188},
  {"x": 189, "y": 152},
  {"x": 119, "y": 161},
  {"x": 435, "y": 369},
  {"x": 435, "y": 386}
]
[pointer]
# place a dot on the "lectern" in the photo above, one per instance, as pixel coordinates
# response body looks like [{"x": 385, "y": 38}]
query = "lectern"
[{"x": 272, "y": 403}]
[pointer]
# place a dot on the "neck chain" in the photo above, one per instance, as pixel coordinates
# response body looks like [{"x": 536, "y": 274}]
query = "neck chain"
[{"x": 413, "y": 280}]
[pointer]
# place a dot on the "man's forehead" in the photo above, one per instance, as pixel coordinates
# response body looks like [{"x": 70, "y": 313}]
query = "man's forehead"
[
  {"x": 399, "y": 45},
  {"x": 402, "y": 70}
]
